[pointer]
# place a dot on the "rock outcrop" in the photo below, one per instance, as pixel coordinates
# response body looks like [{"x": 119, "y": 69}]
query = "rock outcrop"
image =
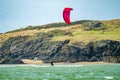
[{"x": 93, "y": 25}]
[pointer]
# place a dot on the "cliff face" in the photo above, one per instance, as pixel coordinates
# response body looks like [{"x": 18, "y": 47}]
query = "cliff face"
[{"x": 41, "y": 47}]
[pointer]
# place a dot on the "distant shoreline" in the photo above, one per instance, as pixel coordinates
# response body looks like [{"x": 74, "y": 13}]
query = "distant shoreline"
[{"x": 28, "y": 61}]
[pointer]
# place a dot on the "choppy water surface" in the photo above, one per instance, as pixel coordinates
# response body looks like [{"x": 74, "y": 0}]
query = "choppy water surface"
[{"x": 60, "y": 72}]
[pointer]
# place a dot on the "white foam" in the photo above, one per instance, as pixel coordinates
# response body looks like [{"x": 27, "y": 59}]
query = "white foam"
[
  {"x": 45, "y": 79},
  {"x": 78, "y": 76},
  {"x": 44, "y": 65},
  {"x": 108, "y": 77},
  {"x": 68, "y": 65}
]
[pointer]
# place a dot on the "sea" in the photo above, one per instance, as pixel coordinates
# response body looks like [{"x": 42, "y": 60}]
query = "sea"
[{"x": 60, "y": 72}]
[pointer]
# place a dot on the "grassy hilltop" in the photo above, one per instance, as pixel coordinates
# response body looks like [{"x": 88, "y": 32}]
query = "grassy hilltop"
[{"x": 79, "y": 31}]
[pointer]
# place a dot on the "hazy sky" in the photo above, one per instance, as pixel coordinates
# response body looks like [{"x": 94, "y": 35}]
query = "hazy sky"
[{"x": 21, "y": 13}]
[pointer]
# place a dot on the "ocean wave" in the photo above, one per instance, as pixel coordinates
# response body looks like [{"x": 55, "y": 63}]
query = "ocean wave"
[{"x": 43, "y": 65}]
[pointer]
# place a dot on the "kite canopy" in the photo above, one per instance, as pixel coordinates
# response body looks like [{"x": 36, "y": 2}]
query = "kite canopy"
[{"x": 66, "y": 15}]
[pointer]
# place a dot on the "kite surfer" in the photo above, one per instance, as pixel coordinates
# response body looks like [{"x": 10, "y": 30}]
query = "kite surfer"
[{"x": 51, "y": 63}]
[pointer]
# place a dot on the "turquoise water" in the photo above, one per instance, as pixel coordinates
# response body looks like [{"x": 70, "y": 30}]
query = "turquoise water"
[{"x": 60, "y": 72}]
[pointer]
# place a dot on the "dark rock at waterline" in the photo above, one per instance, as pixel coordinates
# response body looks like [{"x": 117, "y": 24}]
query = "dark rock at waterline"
[
  {"x": 93, "y": 59},
  {"x": 11, "y": 61},
  {"x": 113, "y": 59}
]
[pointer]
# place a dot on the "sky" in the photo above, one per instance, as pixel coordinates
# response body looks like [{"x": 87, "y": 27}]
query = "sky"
[{"x": 16, "y": 14}]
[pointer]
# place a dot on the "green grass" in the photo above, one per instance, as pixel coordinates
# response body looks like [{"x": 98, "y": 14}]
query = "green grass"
[
  {"x": 75, "y": 32},
  {"x": 87, "y": 36}
]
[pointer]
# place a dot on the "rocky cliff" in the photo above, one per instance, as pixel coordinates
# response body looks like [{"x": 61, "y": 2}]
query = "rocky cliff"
[{"x": 41, "y": 47}]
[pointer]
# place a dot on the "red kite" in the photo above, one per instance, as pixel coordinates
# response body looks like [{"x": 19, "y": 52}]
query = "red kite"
[{"x": 66, "y": 15}]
